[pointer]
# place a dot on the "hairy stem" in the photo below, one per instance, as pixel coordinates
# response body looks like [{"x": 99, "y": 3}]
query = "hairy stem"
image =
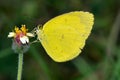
[{"x": 20, "y": 63}]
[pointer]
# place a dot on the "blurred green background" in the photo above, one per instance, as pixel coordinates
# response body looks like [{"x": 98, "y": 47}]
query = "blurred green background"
[{"x": 99, "y": 60}]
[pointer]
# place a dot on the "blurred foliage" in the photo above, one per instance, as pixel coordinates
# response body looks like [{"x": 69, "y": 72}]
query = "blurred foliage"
[{"x": 99, "y": 60}]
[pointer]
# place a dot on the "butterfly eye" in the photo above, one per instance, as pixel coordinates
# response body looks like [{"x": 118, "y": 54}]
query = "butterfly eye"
[{"x": 36, "y": 29}]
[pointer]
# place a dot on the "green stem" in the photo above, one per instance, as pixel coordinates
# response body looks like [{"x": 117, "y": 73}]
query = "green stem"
[{"x": 20, "y": 63}]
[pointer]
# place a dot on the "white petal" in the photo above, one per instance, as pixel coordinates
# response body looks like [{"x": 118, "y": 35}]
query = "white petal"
[
  {"x": 24, "y": 39},
  {"x": 30, "y": 35},
  {"x": 11, "y": 34}
]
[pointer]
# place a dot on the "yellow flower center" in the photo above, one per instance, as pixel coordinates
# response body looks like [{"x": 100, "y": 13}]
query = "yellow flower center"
[{"x": 22, "y": 30}]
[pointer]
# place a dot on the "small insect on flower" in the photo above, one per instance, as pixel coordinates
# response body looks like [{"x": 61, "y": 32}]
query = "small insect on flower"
[{"x": 20, "y": 39}]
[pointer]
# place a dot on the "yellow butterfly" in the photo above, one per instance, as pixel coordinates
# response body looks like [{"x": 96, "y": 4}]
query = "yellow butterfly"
[{"x": 64, "y": 36}]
